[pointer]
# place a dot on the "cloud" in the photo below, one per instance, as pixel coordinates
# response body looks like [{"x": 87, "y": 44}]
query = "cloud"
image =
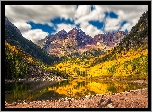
[
  {"x": 82, "y": 10},
  {"x": 38, "y": 13},
  {"x": 127, "y": 26},
  {"x": 94, "y": 16},
  {"x": 90, "y": 28},
  {"x": 20, "y": 15},
  {"x": 112, "y": 24},
  {"x": 85, "y": 15},
  {"x": 35, "y": 34},
  {"x": 130, "y": 13},
  {"x": 29, "y": 34},
  {"x": 23, "y": 27},
  {"x": 66, "y": 27}
]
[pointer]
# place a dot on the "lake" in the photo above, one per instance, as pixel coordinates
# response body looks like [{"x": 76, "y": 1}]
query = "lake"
[{"x": 32, "y": 91}]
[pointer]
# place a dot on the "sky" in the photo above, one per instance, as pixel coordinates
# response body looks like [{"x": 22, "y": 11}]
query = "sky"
[{"x": 38, "y": 21}]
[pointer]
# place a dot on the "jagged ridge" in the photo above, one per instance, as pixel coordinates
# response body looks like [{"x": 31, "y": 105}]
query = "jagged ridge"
[{"x": 76, "y": 41}]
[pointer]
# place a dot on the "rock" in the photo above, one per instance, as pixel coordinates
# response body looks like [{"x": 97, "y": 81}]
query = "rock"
[
  {"x": 99, "y": 95},
  {"x": 24, "y": 103},
  {"x": 104, "y": 103},
  {"x": 14, "y": 104},
  {"x": 101, "y": 101},
  {"x": 121, "y": 98},
  {"x": 72, "y": 99},
  {"x": 6, "y": 104},
  {"x": 109, "y": 101},
  {"x": 113, "y": 93},
  {"x": 110, "y": 105},
  {"x": 66, "y": 99},
  {"x": 87, "y": 96}
]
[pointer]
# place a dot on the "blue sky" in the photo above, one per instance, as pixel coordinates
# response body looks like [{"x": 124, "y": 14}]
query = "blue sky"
[
  {"x": 36, "y": 22},
  {"x": 58, "y": 20}
]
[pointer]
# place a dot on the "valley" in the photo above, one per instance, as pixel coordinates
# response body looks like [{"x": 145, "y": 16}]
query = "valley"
[{"x": 74, "y": 65}]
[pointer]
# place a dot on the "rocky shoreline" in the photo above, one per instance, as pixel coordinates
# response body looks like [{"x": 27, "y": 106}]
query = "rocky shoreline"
[
  {"x": 42, "y": 78},
  {"x": 128, "y": 99}
]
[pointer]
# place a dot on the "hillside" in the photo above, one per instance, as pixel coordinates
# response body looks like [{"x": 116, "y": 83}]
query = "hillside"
[
  {"x": 14, "y": 37},
  {"x": 24, "y": 59},
  {"x": 127, "y": 60},
  {"x": 21, "y": 65}
]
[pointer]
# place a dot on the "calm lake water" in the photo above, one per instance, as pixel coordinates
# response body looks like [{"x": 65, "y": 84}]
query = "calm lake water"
[{"x": 32, "y": 91}]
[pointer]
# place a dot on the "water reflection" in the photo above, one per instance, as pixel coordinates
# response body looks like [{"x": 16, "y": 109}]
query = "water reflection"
[
  {"x": 73, "y": 88},
  {"x": 79, "y": 88}
]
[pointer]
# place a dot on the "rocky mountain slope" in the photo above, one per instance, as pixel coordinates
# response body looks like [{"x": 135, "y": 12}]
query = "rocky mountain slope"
[
  {"x": 127, "y": 60},
  {"x": 14, "y": 37},
  {"x": 76, "y": 41},
  {"x": 136, "y": 39},
  {"x": 23, "y": 58}
]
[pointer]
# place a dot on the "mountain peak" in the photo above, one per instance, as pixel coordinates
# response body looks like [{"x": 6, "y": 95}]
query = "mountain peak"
[
  {"x": 63, "y": 43},
  {"x": 62, "y": 32},
  {"x": 78, "y": 38}
]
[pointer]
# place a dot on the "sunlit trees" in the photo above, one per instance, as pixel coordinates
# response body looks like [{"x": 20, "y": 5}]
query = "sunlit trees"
[
  {"x": 124, "y": 66},
  {"x": 15, "y": 67},
  {"x": 127, "y": 60}
]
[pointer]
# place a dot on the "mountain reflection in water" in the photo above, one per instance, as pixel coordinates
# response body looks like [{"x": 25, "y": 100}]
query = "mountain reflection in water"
[{"x": 21, "y": 91}]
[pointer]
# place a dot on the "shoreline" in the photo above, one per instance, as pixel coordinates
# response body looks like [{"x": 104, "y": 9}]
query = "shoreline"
[
  {"x": 128, "y": 99},
  {"x": 56, "y": 79}
]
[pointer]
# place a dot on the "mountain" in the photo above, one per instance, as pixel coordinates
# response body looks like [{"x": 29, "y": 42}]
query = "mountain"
[
  {"x": 110, "y": 39},
  {"x": 135, "y": 39},
  {"x": 77, "y": 42},
  {"x": 19, "y": 64},
  {"x": 127, "y": 57},
  {"x": 14, "y": 37},
  {"x": 126, "y": 60},
  {"x": 24, "y": 59}
]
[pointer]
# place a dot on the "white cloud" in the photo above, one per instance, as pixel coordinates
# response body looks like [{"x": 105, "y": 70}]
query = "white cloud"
[
  {"x": 85, "y": 15},
  {"x": 23, "y": 27},
  {"x": 129, "y": 25},
  {"x": 66, "y": 27},
  {"x": 130, "y": 13},
  {"x": 42, "y": 14},
  {"x": 112, "y": 24},
  {"x": 82, "y": 10},
  {"x": 126, "y": 26},
  {"x": 34, "y": 35},
  {"x": 94, "y": 16},
  {"x": 90, "y": 29},
  {"x": 38, "y": 13},
  {"x": 94, "y": 31}
]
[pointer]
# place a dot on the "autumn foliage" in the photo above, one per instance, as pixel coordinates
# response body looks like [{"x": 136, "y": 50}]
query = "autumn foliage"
[{"x": 130, "y": 64}]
